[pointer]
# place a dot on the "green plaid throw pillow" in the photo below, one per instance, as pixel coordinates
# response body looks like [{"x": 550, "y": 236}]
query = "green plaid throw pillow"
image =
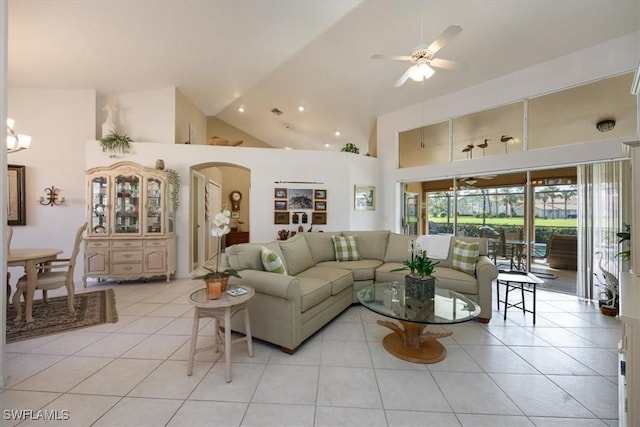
[
  {"x": 346, "y": 248},
  {"x": 272, "y": 262},
  {"x": 465, "y": 256}
]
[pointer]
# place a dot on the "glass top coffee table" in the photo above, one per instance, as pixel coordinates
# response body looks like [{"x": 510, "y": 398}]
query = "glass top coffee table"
[{"x": 409, "y": 341}]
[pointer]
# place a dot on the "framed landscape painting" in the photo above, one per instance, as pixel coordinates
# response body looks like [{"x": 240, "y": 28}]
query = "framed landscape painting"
[
  {"x": 16, "y": 207},
  {"x": 364, "y": 198},
  {"x": 319, "y": 218},
  {"x": 281, "y": 218},
  {"x": 280, "y": 193},
  {"x": 320, "y": 195},
  {"x": 300, "y": 198}
]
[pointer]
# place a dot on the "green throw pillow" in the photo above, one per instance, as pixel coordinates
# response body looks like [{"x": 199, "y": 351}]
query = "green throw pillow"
[
  {"x": 272, "y": 262},
  {"x": 346, "y": 248},
  {"x": 465, "y": 256}
]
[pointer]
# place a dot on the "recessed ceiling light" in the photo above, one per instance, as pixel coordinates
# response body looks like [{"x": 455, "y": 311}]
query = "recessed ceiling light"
[
  {"x": 241, "y": 109},
  {"x": 327, "y": 145},
  {"x": 287, "y": 148},
  {"x": 337, "y": 133},
  {"x": 301, "y": 108}
]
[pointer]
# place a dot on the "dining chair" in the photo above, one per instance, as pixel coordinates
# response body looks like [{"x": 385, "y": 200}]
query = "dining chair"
[
  {"x": 53, "y": 275},
  {"x": 9, "y": 236}
]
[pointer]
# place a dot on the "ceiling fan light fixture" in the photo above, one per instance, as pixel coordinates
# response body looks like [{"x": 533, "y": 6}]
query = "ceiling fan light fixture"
[{"x": 420, "y": 72}]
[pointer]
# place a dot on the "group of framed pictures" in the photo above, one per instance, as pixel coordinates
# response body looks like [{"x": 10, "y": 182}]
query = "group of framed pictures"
[{"x": 299, "y": 199}]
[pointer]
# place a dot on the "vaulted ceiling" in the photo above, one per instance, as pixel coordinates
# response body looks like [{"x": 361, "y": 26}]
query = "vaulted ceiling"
[{"x": 264, "y": 54}]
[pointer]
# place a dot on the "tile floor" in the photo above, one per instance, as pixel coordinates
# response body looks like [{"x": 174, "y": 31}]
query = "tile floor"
[{"x": 133, "y": 373}]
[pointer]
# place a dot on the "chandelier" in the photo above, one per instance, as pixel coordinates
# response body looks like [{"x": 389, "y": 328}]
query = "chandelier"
[{"x": 16, "y": 142}]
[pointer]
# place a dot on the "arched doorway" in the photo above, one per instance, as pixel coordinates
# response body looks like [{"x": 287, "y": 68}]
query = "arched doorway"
[{"x": 211, "y": 185}]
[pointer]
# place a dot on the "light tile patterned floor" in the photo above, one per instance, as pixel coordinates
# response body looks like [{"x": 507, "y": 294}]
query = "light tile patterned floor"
[{"x": 505, "y": 373}]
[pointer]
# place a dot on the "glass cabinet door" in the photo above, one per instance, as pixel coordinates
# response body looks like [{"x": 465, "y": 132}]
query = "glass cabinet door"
[
  {"x": 99, "y": 206},
  {"x": 127, "y": 204},
  {"x": 154, "y": 205}
]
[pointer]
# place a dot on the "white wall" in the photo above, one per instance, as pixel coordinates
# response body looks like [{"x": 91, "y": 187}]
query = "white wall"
[
  {"x": 148, "y": 115},
  {"x": 188, "y": 115},
  {"x": 613, "y": 57},
  {"x": 59, "y": 122},
  {"x": 335, "y": 171}
]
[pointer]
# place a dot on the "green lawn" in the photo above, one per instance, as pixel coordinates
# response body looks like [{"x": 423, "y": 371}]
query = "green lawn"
[{"x": 540, "y": 222}]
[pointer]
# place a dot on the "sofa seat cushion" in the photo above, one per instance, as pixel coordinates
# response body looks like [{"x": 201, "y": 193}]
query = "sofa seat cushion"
[
  {"x": 313, "y": 291},
  {"x": 456, "y": 280},
  {"x": 362, "y": 270},
  {"x": 384, "y": 274},
  {"x": 340, "y": 278}
]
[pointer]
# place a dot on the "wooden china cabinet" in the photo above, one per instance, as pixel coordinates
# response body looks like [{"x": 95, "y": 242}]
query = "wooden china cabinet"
[{"x": 131, "y": 223}]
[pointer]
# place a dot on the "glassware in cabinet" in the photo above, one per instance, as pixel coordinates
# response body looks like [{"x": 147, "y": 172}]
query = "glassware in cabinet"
[
  {"x": 154, "y": 205},
  {"x": 127, "y": 204}
]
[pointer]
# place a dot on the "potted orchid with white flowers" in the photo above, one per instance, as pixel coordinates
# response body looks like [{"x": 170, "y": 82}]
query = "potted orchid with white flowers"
[{"x": 219, "y": 228}]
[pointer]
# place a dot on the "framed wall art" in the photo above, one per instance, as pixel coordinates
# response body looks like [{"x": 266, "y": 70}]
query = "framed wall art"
[
  {"x": 300, "y": 198},
  {"x": 364, "y": 198},
  {"x": 281, "y": 218},
  {"x": 280, "y": 205},
  {"x": 280, "y": 193},
  {"x": 320, "y": 195},
  {"x": 16, "y": 209},
  {"x": 319, "y": 218},
  {"x": 320, "y": 205}
]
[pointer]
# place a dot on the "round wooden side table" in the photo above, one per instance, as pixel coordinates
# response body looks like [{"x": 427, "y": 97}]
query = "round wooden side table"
[{"x": 221, "y": 310}]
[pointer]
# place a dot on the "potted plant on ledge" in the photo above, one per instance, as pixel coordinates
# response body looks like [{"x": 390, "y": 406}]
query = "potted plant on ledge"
[
  {"x": 115, "y": 143},
  {"x": 419, "y": 283},
  {"x": 216, "y": 280}
]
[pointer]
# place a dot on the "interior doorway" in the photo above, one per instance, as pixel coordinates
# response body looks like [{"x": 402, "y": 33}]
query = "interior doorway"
[{"x": 211, "y": 186}]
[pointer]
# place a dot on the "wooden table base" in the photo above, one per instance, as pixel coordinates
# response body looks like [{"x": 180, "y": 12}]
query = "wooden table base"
[{"x": 411, "y": 343}]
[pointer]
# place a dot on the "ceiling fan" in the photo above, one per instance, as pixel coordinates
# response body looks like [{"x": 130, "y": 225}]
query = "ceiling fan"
[
  {"x": 472, "y": 180},
  {"x": 423, "y": 60}
]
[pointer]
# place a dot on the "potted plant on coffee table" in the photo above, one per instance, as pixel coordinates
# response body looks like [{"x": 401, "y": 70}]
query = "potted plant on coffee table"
[
  {"x": 419, "y": 283},
  {"x": 216, "y": 280}
]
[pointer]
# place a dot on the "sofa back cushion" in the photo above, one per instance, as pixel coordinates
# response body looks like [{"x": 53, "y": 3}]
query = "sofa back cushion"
[
  {"x": 245, "y": 256},
  {"x": 397, "y": 248},
  {"x": 297, "y": 255},
  {"x": 371, "y": 244},
  {"x": 321, "y": 246}
]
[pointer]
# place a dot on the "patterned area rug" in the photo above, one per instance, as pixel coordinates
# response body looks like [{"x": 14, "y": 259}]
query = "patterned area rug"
[{"x": 92, "y": 308}]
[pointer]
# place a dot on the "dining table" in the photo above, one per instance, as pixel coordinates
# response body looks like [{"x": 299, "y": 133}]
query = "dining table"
[{"x": 30, "y": 258}]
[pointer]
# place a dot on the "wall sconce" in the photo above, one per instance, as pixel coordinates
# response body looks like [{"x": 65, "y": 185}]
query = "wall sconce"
[{"x": 51, "y": 197}]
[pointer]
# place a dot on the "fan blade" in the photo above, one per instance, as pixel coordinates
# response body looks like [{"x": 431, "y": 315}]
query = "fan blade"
[
  {"x": 446, "y": 64},
  {"x": 403, "y": 78},
  {"x": 444, "y": 38},
  {"x": 392, "y": 57}
]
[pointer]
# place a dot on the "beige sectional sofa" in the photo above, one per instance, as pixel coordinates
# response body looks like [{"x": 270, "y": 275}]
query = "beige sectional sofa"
[{"x": 288, "y": 309}]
